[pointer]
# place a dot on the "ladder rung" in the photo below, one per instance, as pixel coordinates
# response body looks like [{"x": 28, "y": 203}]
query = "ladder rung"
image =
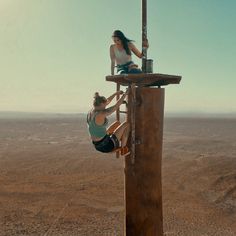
[{"x": 123, "y": 112}]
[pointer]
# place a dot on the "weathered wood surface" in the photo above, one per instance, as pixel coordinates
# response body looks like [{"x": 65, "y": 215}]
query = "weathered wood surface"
[
  {"x": 144, "y": 79},
  {"x": 143, "y": 188}
]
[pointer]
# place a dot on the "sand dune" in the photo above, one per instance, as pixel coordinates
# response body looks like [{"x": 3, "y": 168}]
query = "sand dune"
[{"x": 54, "y": 183}]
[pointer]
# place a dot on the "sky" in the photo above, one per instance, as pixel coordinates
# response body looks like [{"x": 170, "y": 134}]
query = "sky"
[{"x": 54, "y": 54}]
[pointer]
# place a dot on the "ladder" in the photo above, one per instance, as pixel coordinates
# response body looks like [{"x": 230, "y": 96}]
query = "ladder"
[{"x": 132, "y": 119}]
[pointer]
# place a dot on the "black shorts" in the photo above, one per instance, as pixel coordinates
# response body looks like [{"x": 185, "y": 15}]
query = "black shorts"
[{"x": 107, "y": 144}]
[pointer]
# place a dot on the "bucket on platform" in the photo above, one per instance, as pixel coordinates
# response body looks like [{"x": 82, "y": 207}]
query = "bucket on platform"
[{"x": 149, "y": 65}]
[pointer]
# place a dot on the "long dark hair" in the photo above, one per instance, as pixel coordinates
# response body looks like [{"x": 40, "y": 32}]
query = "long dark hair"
[{"x": 124, "y": 40}]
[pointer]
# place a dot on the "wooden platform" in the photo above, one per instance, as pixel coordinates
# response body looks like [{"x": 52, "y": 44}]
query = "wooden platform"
[{"x": 144, "y": 79}]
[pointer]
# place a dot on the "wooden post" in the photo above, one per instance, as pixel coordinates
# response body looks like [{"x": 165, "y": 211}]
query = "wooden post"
[
  {"x": 117, "y": 98},
  {"x": 117, "y": 112},
  {"x": 143, "y": 189}
]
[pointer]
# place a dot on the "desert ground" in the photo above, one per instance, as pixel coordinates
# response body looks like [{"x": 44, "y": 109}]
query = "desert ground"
[{"x": 52, "y": 181}]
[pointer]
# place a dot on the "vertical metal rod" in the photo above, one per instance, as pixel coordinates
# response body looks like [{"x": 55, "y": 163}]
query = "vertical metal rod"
[
  {"x": 133, "y": 105},
  {"x": 144, "y": 34}
]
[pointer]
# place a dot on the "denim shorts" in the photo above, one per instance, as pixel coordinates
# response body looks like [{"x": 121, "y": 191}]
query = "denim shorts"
[
  {"x": 124, "y": 69},
  {"x": 107, "y": 144}
]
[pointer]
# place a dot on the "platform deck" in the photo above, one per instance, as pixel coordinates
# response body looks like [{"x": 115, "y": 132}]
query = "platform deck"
[{"x": 144, "y": 79}]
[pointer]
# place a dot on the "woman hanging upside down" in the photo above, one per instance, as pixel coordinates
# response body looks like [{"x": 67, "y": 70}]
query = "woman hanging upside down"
[{"x": 103, "y": 139}]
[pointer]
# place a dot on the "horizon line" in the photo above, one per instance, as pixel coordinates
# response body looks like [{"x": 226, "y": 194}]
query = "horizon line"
[{"x": 167, "y": 113}]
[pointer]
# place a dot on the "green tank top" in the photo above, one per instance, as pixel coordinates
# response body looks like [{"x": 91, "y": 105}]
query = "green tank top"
[{"x": 95, "y": 130}]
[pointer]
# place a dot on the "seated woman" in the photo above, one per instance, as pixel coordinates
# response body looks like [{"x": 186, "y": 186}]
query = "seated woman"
[
  {"x": 120, "y": 54},
  {"x": 103, "y": 139}
]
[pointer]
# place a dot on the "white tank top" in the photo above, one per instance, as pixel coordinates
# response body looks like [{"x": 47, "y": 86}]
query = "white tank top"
[{"x": 121, "y": 56}]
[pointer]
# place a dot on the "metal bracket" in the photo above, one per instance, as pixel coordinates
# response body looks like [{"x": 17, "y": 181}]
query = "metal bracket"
[{"x": 138, "y": 141}]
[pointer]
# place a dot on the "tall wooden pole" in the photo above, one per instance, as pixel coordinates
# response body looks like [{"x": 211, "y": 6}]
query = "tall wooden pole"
[
  {"x": 144, "y": 34},
  {"x": 143, "y": 186},
  {"x": 143, "y": 189}
]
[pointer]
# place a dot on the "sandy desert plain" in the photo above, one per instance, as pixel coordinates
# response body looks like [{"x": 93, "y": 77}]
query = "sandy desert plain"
[{"x": 52, "y": 181}]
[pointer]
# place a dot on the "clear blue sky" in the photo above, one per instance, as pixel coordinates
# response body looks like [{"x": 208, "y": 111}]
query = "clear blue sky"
[{"x": 54, "y": 54}]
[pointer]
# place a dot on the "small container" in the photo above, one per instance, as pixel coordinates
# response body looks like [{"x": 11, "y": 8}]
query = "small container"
[{"x": 149, "y": 66}]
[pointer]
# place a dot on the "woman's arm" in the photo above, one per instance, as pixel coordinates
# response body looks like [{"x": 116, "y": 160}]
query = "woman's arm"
[
  {"x": 111, "y": 109},
  {"x": 135, "y": 50},
  {"x": 109, "y": 99},
  {"x": 113, "y": 57}
]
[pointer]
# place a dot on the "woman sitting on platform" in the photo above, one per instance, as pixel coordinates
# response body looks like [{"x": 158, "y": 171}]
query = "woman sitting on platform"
[
  {"x": 120, "y": 54},
  {"x": 103, "y": 139}
]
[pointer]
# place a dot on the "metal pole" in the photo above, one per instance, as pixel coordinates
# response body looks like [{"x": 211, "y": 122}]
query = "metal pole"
[
  {"x": 144, "y": 34},
  {"x": 132, "y": 118}
]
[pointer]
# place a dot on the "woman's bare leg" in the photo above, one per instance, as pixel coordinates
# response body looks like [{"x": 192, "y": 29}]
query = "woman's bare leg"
[
  {"x": 122, "y": 133},
  {"x": 113, "y": 127}
]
